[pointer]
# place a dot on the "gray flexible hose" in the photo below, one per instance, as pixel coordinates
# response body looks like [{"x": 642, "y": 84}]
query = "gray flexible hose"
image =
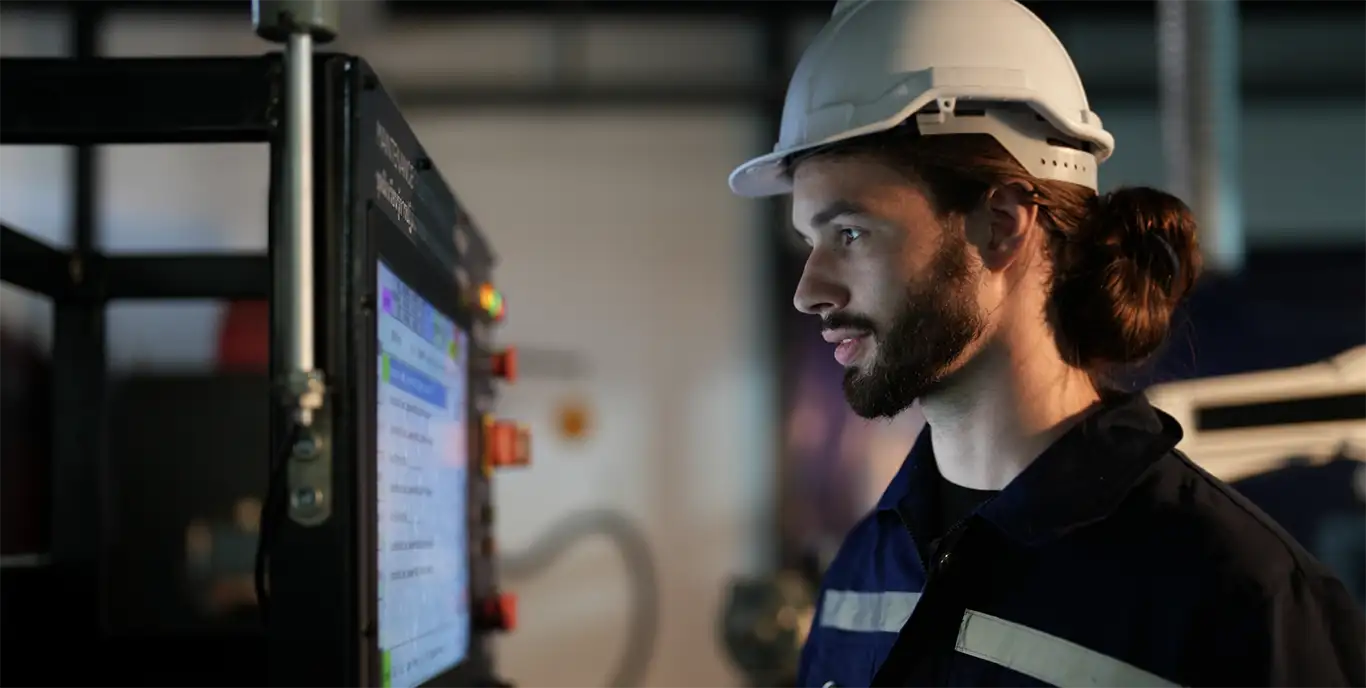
[{"x": 640, "y": 566}]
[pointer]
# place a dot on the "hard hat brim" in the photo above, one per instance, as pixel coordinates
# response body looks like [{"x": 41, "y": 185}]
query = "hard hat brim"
[{"x": 765, "y": 176}]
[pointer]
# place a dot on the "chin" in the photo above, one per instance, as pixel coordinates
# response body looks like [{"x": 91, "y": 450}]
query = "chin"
[
  {"x": 873, "y": 394},
  {"x": 879, "y": 392}
]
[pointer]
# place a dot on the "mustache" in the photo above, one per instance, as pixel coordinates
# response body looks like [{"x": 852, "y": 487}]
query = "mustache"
[{"x": 848, "y": 321}]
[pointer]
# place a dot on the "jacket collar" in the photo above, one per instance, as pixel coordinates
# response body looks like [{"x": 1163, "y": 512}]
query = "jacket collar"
[{"x": 1078, "y": 480}]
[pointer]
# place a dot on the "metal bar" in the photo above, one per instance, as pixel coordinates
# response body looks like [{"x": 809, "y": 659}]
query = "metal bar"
[
  {"x": 1052, "y": 12},
  {"x": 1049, "y": 10},
  {"x": 299, "y": 200},
  {"x": 30, "y": 264},
  {"x": 535, "y": 96},
  {"x": 136, "y": 100},
  {"x": 222, "y": 8},
  {"x": 27, "y": 560},
  {"x": 1306, "y": 93},
  {"x": 1200, "y": 111},
  {"x": 80, "y": 480},
  {"x": 776, "y": 39},
  {"x": 561, "y": 96},
  {"x": 186, "y": 276}
]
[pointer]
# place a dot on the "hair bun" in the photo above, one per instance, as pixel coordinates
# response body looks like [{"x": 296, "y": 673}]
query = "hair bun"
[
  {"x": 1121, "y": 277},
  {"x": 1147, "y": 226}
]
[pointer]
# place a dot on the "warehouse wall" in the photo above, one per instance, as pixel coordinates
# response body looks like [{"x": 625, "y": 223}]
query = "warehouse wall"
[{"x": 639, "y": 264}]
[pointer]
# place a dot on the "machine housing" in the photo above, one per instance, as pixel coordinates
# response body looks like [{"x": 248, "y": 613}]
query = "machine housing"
[{"x": 376, "y": 193}]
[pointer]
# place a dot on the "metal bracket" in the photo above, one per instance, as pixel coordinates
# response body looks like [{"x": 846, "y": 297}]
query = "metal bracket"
[{"x": 309, "y": 473}]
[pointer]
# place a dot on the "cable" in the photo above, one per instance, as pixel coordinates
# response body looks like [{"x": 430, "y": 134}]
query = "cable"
[
  {"x": 640, "y": 564},
  {"x": 276, "y": 493}
]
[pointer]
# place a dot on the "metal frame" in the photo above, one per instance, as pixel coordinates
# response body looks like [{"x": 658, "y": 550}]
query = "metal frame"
[
  {"x": 67, "y": 101},
  {"x": 798, "y": 9},
  {"x": 313, "y": 627},
  {"x": 222, "y": 100},
  {"x": 773, "y": 278},
  {"x": 715, "y": 96}
]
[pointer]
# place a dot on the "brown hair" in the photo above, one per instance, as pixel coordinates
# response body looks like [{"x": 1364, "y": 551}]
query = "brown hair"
[{"x": 1120, "y": 262}]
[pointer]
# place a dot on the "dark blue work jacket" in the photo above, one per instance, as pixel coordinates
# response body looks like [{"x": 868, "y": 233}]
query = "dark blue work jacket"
[{"x": 1112, "y": 560}]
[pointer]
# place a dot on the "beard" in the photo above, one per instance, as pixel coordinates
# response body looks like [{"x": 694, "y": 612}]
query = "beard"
[{"x": 917, "y": 350}]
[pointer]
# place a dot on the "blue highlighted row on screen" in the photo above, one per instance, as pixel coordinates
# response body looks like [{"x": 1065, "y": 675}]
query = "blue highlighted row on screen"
[
  {"x": 411, "y": 380},
  {"x": 409, "y": 309}
]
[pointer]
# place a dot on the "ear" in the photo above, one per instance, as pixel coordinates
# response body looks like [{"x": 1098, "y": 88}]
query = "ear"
[{"x": 1005, "y": 220}]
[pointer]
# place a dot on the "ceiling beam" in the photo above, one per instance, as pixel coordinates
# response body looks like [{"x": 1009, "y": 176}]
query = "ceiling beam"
[
  {"x": 534, "y": 96},
  {"x": 1051, "y": 10}
]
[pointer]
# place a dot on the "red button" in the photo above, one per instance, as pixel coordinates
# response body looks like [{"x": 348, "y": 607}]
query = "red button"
[
  {"x": 505, "y": 364},
  {"x": 500, "y": 612}
]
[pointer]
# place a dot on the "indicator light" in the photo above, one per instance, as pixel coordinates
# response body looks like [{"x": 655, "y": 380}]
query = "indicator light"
[{"x": 491, "y": 302}]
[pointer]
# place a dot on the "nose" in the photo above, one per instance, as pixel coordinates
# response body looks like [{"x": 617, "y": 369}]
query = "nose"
[{"x": 818, "y": 291}]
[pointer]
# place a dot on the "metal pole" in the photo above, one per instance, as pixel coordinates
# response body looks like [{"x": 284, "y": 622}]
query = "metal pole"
[
  {"x": 82, "y": 526},
  {"x": 1200, "y": 109},
  {"x": 775, "y": 39},
  {"x": 297, "y": 24},
  {"x": 308, "y": 472},
  {"x": 299, "y": 201}
]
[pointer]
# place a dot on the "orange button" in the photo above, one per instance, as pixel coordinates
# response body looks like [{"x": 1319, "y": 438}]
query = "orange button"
[
  {"x": 505, "y": 364},
  {"x": 506, "y": 444}
]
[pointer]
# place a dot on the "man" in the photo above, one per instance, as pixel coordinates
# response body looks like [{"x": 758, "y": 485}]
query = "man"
[{"x": 942, "y": 158}]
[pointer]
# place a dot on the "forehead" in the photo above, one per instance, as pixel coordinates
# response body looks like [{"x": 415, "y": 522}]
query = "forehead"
[{"x": 856, "y": 180}]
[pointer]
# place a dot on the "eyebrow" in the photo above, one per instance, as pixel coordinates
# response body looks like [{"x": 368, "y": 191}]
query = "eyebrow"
[{"x": 836, "y": 209}]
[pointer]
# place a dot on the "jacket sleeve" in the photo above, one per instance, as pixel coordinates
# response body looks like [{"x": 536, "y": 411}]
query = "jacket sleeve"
[{"x": 1307, "y": 632}]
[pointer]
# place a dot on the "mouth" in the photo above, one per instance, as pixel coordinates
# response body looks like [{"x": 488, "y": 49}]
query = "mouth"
[{"x": 849, "y": 344}]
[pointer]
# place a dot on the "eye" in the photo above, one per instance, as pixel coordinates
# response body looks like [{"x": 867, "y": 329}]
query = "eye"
[{"x": 850, "y": 234}]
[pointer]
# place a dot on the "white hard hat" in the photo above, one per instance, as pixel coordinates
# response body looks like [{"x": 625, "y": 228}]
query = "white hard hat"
[{"x": 958, "y": 67}]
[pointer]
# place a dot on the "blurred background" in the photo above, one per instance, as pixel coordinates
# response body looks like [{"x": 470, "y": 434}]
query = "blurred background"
[{"x": 666, "y": 378}]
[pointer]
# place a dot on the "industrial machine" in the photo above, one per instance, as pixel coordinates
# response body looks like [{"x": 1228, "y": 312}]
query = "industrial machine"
[
  {"x": 375, "y": 557},
  {"x": 1293, "y": 441},
  {"x": 1242, "y": 425}
]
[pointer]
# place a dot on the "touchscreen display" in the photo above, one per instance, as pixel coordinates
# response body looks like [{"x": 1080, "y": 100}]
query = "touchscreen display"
[{"x": 421, "y": 495}]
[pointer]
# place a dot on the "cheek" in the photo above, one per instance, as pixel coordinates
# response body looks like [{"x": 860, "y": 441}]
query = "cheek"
[{"x": 880, "y": 292}]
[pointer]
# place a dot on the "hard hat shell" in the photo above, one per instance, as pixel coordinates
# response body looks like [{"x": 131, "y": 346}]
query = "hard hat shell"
[{"x": 956, "y": 67}]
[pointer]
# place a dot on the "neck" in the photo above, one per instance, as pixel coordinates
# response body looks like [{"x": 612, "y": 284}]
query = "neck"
[{"x": 1002, "y": 410}]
